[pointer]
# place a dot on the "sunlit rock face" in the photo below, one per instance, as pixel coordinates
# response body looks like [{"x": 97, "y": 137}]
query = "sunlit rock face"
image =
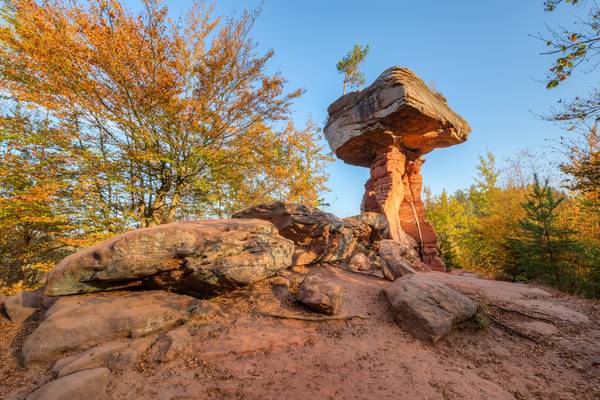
[{"x": 388, "y": 127}]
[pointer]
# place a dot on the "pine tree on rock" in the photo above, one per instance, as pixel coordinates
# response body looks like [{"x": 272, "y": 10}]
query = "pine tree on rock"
[{"x": 349, "y": 66}]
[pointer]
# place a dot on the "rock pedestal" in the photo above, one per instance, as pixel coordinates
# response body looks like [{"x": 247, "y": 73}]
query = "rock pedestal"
[{"x": 388, "y": 127}]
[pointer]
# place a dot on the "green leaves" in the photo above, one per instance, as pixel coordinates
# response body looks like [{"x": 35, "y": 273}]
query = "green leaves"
[{"x": 349, "y": 66}]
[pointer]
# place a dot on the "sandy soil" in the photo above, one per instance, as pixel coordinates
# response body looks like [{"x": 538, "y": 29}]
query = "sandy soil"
[{"x": 243, "y": 353}]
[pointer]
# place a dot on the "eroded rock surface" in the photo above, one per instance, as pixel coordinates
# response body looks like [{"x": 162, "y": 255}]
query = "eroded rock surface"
[
  {"x": 320, "y": 294},
  {"x": 90, "y": 384},
  {"x": 388, "y": 127},
  {"x": 117, "y": 355},
  {"x": 21, "y": 306},
  {"x": 76, "y": 323},
  {"x": 198, "y": 258},
  {"x": 426, "y": 308},
  {"x": 319, "y": 236},
  {"x": 399, "y": 259}
]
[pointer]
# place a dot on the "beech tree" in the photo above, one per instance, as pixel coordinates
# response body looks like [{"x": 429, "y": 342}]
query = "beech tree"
[
  {"x": 163, "y": 114},
  {"x": 350, "y": 64}
]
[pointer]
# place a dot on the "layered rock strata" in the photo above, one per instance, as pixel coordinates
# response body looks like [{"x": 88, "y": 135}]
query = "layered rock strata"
[{"x": 388, "y": 127}]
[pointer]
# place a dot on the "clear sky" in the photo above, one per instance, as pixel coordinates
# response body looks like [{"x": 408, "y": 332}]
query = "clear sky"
[{"x": 480, "y": 54}]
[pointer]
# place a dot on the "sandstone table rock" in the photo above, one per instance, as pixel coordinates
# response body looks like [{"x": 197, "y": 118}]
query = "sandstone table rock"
[
  {"x": 317, "y": 235},
  {"x": 199, "y": 258},
  {"x": 388, "y": 127},
  {"x": 426, "y": 308}
]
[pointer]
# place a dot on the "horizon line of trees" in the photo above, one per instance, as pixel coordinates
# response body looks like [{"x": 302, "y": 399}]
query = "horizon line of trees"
[{"x": 512, "y": 224}]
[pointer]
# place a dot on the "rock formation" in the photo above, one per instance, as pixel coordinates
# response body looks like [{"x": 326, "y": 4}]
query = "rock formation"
[
  {"x": 317, "y": 235},
  {"x": 426, "y": 308},
  {"x": 388, "y": 127},
  {"x": 199, "y": 258}
]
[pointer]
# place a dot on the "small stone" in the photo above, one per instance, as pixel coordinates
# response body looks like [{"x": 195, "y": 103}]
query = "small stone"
[
  {"x": 394, "y": 257},
  {"x": 320, "y": 295},
  {"x": 359, "y": 262},
  {"x": 21, "y": 306},
  {"x": 280, "y": 281}
]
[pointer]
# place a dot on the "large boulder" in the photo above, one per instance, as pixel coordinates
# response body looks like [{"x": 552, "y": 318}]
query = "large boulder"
[
  {"x": 199, "y": 258},
  {"x": 320, "y": 295},
  {"x": 90, "y": 384},
  {"x": 319, "y": 236},
  {"x": 76, "y": 323},
  {"x": 426, "y": 308}
]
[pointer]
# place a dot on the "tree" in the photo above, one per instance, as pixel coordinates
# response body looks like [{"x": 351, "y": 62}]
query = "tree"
[
  {"x": 349, "y": 66},
  {"x": 35, "y": 181},
  {"x": 166, "y": 117},
  {"x": 573, "y": 48},
  {"x": 543, "y": 246},
  {"x": 582, "y": 169}
]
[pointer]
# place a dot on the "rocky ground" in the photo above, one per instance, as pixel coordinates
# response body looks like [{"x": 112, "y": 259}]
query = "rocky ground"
[{"x": 525, "y": 343}]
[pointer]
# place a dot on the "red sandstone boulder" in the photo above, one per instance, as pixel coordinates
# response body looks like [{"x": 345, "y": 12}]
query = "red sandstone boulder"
[
  {"x": 21, "y": 306},
  {"x": 117, "y": 355},
  {"x": 90, "y": 384},
  {"x": 399, "y": 259},
  {"x": 200, "y": 258},
  {"x": 320, "y": 294},
  {"x": 426, "y": 308},
  {"x": 77, "y": 323}
]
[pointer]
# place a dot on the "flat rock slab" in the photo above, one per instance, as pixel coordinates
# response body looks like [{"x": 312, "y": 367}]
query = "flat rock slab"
[
  {"x": 200, "y": 258},
  {"x": 118, "y": 355},
  {"x": 397, "y": 108},
  {"x": 76, "y": 323},
  {"x": 518, "y": 297},
  {"x": 90, "y": 384},
  {"x": 427, "y": 309}
]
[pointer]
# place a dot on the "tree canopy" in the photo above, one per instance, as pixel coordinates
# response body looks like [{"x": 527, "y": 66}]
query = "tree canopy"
[{"x": 113, "y": 120}]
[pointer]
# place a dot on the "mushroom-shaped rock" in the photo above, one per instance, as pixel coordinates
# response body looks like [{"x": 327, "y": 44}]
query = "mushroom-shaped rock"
[{"x": 388, "y": 127}]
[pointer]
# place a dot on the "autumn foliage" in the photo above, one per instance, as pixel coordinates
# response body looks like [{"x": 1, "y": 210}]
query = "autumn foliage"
[{"x": 113, "y": 120}]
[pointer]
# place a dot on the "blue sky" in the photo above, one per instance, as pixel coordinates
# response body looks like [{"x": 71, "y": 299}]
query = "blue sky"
[{"x": 480, "y": 54}]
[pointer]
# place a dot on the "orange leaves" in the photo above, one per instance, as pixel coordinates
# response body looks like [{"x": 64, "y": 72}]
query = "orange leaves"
[{"x": 165, "y": 117}]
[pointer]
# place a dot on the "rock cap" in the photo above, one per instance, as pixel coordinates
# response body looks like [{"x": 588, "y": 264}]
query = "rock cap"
[{"x": 397, "y": 109}]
